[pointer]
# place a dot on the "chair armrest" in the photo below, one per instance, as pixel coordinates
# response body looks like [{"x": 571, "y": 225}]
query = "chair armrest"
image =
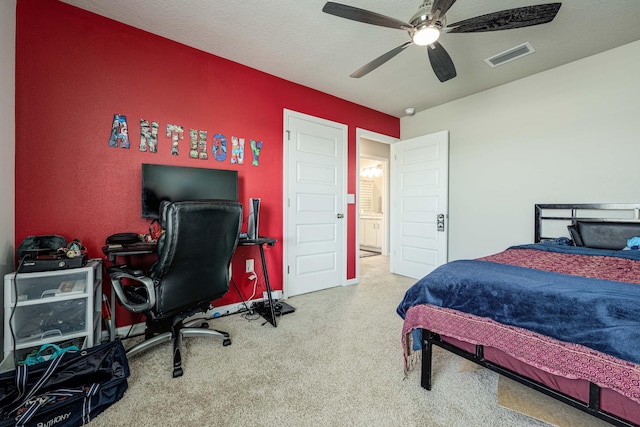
[{"x": 119, "y": 273}]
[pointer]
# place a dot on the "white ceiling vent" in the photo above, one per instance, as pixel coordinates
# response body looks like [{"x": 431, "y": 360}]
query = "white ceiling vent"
[{"x": 510, "y": 55}]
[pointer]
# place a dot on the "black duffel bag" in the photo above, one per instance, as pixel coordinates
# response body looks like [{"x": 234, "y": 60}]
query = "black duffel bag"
[{"x": 69, "y": 390}]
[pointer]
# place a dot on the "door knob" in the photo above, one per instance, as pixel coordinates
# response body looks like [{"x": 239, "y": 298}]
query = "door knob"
[{"x": 340, "y": 216}]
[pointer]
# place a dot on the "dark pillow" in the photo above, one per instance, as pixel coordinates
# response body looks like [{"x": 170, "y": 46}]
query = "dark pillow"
[
  {"x": 607, "y": 235},
  {"x": 575, "y": 235}
]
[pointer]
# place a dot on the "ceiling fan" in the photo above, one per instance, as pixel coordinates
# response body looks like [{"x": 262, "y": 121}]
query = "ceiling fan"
[{"x": 425, "y": 26}]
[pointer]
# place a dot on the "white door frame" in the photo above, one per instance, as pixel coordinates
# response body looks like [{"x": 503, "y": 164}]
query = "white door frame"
[
  {"x": 385, "y": 139},
  {"x": 286, "y": 196}
]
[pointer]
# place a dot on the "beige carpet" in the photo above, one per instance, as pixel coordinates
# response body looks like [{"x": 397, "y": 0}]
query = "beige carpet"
[{"x": 336, "y": 361}]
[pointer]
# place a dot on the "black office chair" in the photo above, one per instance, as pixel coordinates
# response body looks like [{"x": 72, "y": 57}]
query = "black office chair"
[{"x": 194, "y": 255}]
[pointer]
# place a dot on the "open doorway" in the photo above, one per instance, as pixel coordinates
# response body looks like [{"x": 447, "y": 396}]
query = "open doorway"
[
  {"x": 373, "y": 195},
  {"x": 374, "y": 212}
]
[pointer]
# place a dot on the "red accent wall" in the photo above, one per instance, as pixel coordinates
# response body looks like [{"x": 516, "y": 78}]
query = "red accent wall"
[{"x": 75, "y": 70}]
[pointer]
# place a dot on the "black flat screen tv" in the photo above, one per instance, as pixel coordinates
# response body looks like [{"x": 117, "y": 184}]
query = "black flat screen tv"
[{"x": 179, "y": 183}]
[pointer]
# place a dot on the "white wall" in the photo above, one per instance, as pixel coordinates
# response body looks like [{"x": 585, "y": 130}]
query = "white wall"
[
  {"x": 7, "y": 143},
  {"x": 571, "y": 134}
]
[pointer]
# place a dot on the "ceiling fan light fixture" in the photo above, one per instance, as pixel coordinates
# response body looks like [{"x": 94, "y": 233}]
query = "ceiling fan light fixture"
[
  {"x": 425, "y": 26},
  {"x": 426, "y": 35}
]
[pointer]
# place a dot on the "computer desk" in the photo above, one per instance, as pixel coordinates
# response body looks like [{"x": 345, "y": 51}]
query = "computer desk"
[{"x": 141, "y": 248}]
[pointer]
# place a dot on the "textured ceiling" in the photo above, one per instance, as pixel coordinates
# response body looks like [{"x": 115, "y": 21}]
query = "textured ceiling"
[{"x": 296, "y": 41}]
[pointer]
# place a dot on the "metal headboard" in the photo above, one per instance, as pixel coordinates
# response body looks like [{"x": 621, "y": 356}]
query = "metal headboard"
[{"x": 569, "y": 213}]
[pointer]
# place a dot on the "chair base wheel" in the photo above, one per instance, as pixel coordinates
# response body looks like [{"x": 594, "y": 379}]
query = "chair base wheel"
[
  {"x": 226, "y": 342},
  {"x": 177, "y": 372}
]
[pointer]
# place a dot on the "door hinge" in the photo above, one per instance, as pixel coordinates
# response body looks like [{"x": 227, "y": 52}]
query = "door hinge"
[
  {"x": 288, "y": 269},
  {"x": 288, "y": 135}
]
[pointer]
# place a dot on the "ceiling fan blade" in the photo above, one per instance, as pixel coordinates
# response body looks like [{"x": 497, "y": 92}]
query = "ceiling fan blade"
[
  {"x": 361, "y": 15},
  {"x": 507, "y": 19},
  {"x": 441, "y": 62},
  {"x": 379, "y": 61},
  {"x": 442, "y": 5}
]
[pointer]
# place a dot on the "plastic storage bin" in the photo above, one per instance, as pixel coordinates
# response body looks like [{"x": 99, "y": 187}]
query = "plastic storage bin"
[{"x": 52, "y": 307}]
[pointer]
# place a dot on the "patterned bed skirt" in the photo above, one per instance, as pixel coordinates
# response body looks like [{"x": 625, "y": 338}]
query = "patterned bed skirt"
[{"x": 572, "y": 361}]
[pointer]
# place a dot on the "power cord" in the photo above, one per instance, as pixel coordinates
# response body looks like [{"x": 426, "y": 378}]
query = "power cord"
[
  {"x": 135, "y": 320},
  {"x": 249, "y": 310},
  {"x": 253, "y": 277},
  {"x": 250, "y": 314},
  {"x": 13, "y": 309}
]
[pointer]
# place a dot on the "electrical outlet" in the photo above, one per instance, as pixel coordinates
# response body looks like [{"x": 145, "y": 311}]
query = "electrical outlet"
[{"x": 249, "y": 267}]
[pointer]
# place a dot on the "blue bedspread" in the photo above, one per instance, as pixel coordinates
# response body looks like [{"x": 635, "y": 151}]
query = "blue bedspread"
[{"x": 599, "y": 314}]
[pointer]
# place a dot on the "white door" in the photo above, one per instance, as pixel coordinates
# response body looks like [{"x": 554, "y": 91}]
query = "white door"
[
  {"x": 315, "y": 208},
  {"x": 419, "y": 207}
]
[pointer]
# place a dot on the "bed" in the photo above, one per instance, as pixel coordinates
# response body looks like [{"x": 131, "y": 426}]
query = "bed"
[{"x": 561, "y": 315}]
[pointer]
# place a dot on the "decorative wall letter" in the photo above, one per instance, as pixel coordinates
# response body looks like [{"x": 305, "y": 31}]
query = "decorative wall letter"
[
  {"x": 219, "y": 147},
  {"x": 193, "y": 143},
  {"x": 255, "y": 151},
  {"x": 237, "y": 150},
  {"x": 175, "y": 132},
  {"x": 198, "y": 146},
  {"x": 202, "y": 145},
  {"x": 148, "y": 135},
  {"x": 119, "y": 132}
]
